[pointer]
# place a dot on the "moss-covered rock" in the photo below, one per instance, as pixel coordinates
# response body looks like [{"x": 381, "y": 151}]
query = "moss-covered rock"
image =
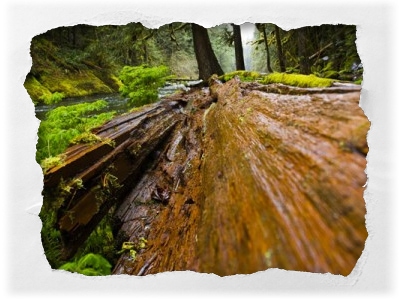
[
  {"x": 35, "y": 89},
  {"x": 69, "y": 84}
]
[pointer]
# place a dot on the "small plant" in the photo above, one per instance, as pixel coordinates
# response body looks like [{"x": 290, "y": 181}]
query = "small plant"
[
  {"x": 74, "y": 184},
  {"x": 52, "y": 98},
  {"x": 141, "y": 83},
  {"x": 133, "y": 247},
  {"x": 90, "y": 265}
]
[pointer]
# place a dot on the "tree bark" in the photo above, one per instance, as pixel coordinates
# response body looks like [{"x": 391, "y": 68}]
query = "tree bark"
[
  {"x": 281, "y": 56},
  {"x": 267, "y": 49},
  {"x": 237, "y": 39},
  {"x": 241, "y": 185},
  {"x": 304, "y": 60},
  {"x": 206, "y": 60}
]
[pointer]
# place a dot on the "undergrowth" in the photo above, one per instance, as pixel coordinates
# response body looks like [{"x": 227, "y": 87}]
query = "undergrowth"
[
  {"x": 91, "y": 265},
  {"x": 64, "y": 124},
  {"x": 141, "y": 83}
]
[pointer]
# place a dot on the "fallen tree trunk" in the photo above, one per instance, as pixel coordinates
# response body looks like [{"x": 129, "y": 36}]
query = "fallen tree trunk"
[
  {"x": 95, "y": 178},
  {"x": 257, "y": 180},
  {"x": 283, "y": 182}
]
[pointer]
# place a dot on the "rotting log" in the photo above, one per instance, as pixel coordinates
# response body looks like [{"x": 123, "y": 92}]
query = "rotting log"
[
  {"x": 268, "y": 176},
  {"x": 279, "y": 185},
  {"x": 94, "y": 178},
  {"x": 283, "y": 181}
]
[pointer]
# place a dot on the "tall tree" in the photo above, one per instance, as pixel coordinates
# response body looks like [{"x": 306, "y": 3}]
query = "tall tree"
[
  {"x": 237, "y": 40},
  {"x": 262, "y": 29},
  {"x": 281, "y": 57},
  {"x": 206, "y": 60},
  {"x": 304, "y": 60}
]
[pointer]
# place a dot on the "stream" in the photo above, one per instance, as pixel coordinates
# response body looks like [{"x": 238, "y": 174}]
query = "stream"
[{"x": 115, "y": 101}]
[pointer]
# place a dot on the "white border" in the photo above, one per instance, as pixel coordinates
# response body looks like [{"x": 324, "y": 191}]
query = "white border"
[{"x": 25, "y": 268}]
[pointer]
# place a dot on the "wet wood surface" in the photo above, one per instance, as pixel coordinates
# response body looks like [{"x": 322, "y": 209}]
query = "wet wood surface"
[{"x": 232, "y": 180}]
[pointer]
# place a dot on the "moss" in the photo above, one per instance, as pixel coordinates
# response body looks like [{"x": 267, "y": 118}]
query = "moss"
[
  {"x": 65, "y": 123},
  {"x": 51, "y": 162},
  {"x": 76, "y": 84},
  {"x": 141, "y": 83},
  {"x": 53, "y": 87},
  {"x": 36, "y": 90},
  {"x": 116, "y": 81},
  {"x": 243, "y": 75},
  {"x": 297, "y": 80},
  {"x": 359, "y": 81},
  {"x": 91, "y": 139},
  {"x": 90, "y": 265},
  {"x": 52, "y": 98}
]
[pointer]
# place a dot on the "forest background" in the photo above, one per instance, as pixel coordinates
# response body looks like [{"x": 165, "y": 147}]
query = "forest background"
[{"x": 80, "y": 60}]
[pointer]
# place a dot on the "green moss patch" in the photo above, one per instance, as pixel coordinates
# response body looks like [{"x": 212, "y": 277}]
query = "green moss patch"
[
  {"x": 297, "y": 80},
  {"x": 66, "y": 123},
  {"x": 76, "y": 84},
  {"x": 36, "y": 90},
  {"x": 243, "y": 75},
  {"x": 141, "y": 83},
  {"x": 51, "y": 88}
]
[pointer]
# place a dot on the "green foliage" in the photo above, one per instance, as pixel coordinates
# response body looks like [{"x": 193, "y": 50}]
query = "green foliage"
[
  {"x": 243, "y": 75},
  {"x": 52, "y": 98},
  {"x": 133, "y": 247},
  {"x": 298, "y": 80},
  {"x": 221, "y": 38},
  {"x": 51, "y": 238},
  {"x": 141, "y": 83},
  {"x": 331, "y": 50},
  {"x": 91, "y": 139},
  {"x": 91, "y": 265},
  {"x": 51, "y": 162},
  {"x": 65, "y": 123},
  {"x": 35, "y": 89}
]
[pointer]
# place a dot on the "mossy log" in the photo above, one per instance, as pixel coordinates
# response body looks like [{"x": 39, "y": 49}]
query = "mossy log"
[
  {"x": 106, "y": 171},
  {"x": 256, "y": 180}
]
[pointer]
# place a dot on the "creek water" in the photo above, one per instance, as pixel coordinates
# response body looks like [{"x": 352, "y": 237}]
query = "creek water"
[{"x": 115, "y": 101}]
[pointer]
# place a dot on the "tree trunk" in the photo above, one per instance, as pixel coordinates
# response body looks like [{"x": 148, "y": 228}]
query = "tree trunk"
[
  {"x": 267, "y": 48},
  {"x": 281, "y": 56},
  {"x": 237, "y": 39},
  {"x": 254, "y": 181},
  {"x": 206, "y": 60},
  {"x": 304, "y": 60}
]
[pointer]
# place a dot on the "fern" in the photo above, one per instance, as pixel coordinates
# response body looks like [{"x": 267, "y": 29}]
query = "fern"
[
  {"x": 141, "y": 83},
  {"x": 90, "y": 265}
]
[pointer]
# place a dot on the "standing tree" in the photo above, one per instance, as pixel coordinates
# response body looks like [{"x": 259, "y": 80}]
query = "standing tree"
[
  {"x": 261, "y": 28},
  {"x": 237, "y": 39},
  {"x": 206, "y": 60},
  {"x": 304, "y": 60},
  {"x": 281, "y": 57}
]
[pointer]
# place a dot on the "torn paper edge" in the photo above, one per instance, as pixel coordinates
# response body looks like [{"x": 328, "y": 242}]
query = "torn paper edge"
[{"x": 28, "y": 270}]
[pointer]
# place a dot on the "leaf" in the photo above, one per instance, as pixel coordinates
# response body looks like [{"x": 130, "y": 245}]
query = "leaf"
[{"x": 69, "y": 266}]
